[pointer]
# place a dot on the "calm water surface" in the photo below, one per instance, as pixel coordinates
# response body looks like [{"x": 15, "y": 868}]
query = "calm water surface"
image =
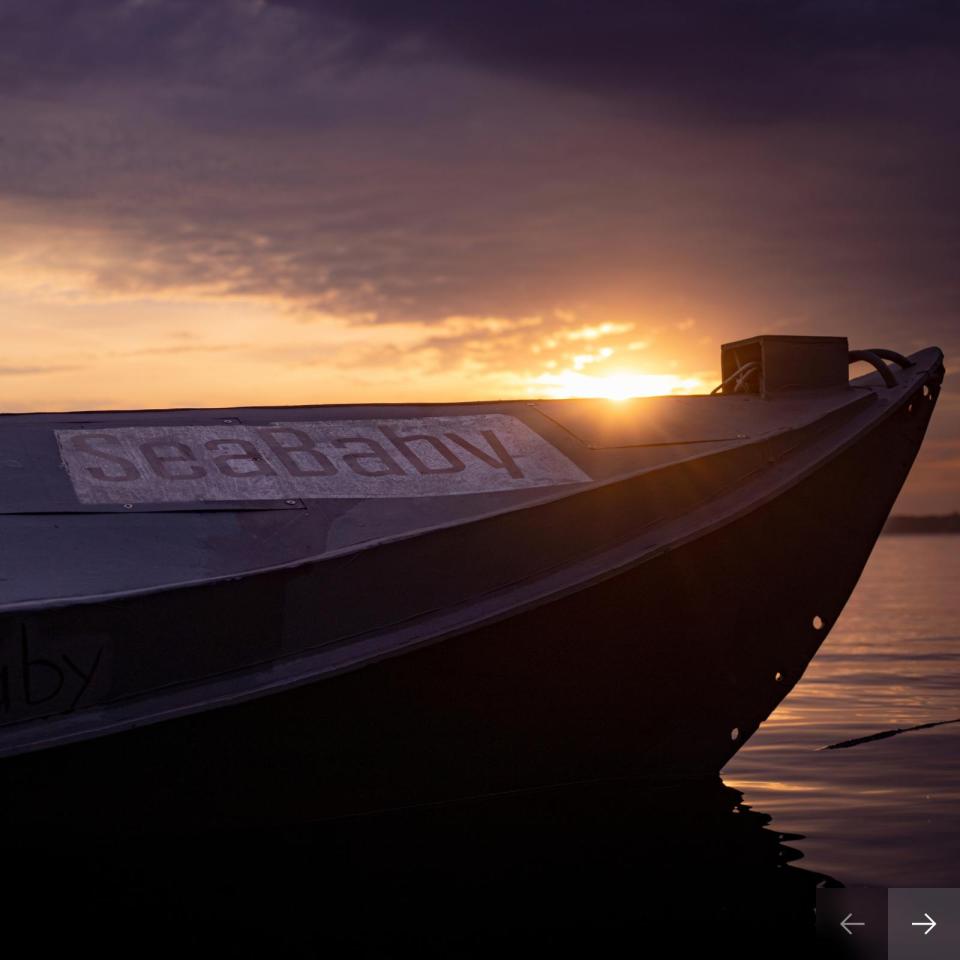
[{"x": 885, "y": 812}]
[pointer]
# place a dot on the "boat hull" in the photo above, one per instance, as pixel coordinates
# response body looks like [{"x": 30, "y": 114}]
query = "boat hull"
[{"x": 660, "y": 670}]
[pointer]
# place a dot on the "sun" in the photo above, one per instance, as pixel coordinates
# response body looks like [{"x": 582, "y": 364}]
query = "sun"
[{"x": 623, "y": 386}]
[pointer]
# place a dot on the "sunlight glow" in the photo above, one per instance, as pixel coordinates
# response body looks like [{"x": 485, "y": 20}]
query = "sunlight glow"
[{"x": 614, "y": 386}]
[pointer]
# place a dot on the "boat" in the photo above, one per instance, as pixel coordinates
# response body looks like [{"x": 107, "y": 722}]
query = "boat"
[{"x": 288, "y": 614}]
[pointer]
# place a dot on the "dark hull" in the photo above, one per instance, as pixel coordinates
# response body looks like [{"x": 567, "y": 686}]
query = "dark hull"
[{"x": 661, "y": 671}]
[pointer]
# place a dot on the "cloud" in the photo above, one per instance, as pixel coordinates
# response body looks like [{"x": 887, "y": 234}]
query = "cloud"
[
  {"x": 59, "y": 43},
  {"x": 393, "y": 162},
  {"x": 35, "y": 370},
  {"x": 408, "y": 163},
  {"x": 720, "y": 59},
  {"x": 178, "y": 350}
]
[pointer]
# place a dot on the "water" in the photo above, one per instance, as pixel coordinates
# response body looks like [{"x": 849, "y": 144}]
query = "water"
[{"x": 885, "y": 812}]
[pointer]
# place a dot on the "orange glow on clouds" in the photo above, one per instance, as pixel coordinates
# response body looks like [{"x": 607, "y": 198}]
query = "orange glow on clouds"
[{"x": 83, "y": 343}]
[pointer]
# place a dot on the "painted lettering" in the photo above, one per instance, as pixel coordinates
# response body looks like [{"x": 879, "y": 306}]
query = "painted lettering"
[
  {"x": 227, "y": 463},
  {"x": 84, "y": 677},
  {"x": 405, "y": 445},
  {"x": 375, "y": 453},
  {"x": 294, "y": 455},
  {"x": 162, "y": 463},
  {"x": 42, "y": 675},
  {"x": 500, "y": 460},
  {"x": 427, "y": 456},
  {"x": 123, "y": 469},
  {"x": 30, "y": 666}
]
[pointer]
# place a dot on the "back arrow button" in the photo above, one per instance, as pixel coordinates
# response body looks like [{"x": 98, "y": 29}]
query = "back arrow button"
[{"x": 847, "y": 923}]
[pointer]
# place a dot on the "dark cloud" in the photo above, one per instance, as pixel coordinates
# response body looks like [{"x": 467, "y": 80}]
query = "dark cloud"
[
  {"x": 354, "y": 157},
  {"x": 717, "y": 60},
  {"x": 729, "y": 59},
  {"x": 60, "y": 41},
  {"x": 44, "y": 43}
]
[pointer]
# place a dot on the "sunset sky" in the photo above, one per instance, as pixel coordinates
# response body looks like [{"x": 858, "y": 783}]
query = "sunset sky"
[{"x": 238, "y": 201}]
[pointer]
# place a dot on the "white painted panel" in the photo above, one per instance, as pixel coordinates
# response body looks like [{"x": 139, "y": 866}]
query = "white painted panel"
[{"x": 422, "y": 457}]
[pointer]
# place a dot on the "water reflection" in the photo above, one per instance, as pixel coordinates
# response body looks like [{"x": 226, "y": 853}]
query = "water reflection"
[
  {"x": 580, "y": 867},
  {"x": 884, "y": 811}
]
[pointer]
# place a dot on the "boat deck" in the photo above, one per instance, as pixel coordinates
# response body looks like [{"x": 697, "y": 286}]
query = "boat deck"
[{"x": 109, "y": 503}]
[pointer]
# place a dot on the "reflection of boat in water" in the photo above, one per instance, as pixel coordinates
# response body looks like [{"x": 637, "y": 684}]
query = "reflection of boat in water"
[
  {"x": 539, "y": 872},
  {"x": 304, "y": 612}
]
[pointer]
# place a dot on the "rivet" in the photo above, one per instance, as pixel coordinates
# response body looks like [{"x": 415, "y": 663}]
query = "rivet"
[
  {"x": 291, "y": 503},
  {"x": 128, "y": 506}
]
